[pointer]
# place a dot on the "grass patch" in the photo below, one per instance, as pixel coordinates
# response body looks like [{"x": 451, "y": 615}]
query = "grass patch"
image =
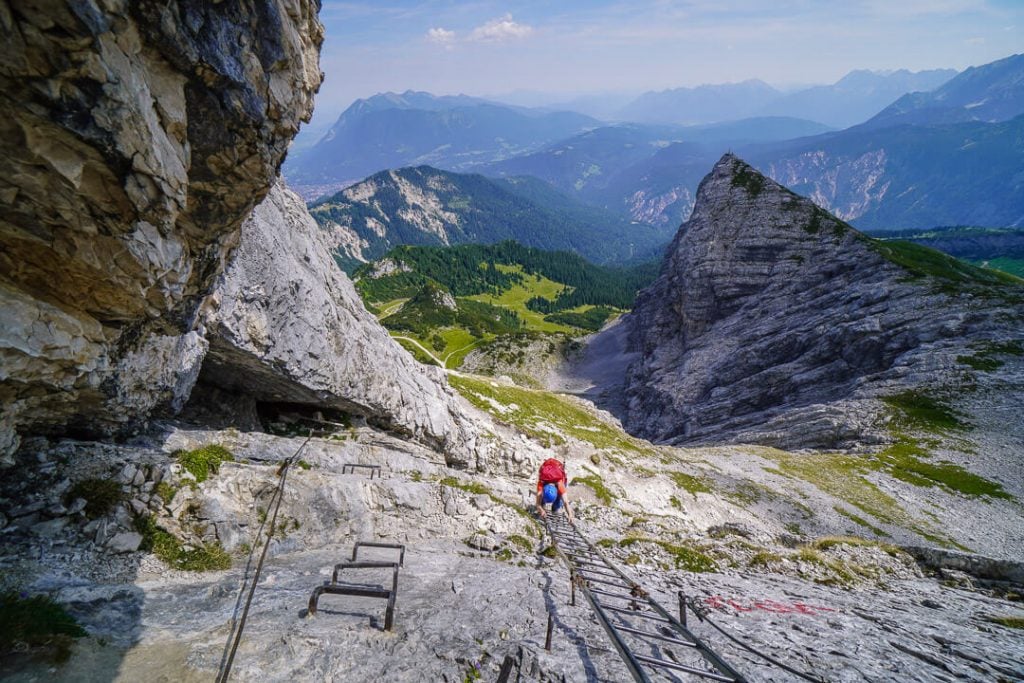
[
  {"x": 749, "y": 179},
  {"x": 100, "y": 495},
  {"x": 595, "y": 484},
  {"x": 1008, "y": 622},
  {"x": 859, "y": 521},
  {"x": 693, "y": 485},
  {"x": 169, "y": 548},
  {"x": 469, "y": 486},
  {"x": 687, "y": 559},
  {"x": 952, "y": 273},
  {"x": 521, "y": 541},
  {"x": 764, "y": 558},
  {"x": 38, "y": 623},
  {"x": 303, "y": 465},
  {"x": 920, "y": 411},
  {"x": 543, "y": 415},
  {"x": 166, "y": 492},
  {"x": 903, "y": 459},
  {"x": 841, "y": 574},
  {"x": 202, "y": 462},
  {"x": 985, "y": 358},
  {"x": 479, "y": 489}
]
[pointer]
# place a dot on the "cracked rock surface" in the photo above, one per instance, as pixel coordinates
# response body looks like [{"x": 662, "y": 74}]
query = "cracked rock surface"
[{"x": 135, "y": 138}]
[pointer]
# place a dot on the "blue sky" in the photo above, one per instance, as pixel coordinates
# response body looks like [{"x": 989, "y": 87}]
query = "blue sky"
[{"x": 574, "y": 46}]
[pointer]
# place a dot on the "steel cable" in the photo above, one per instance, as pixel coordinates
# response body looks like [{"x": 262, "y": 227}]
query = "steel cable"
[{"x": 225, "y": 668}]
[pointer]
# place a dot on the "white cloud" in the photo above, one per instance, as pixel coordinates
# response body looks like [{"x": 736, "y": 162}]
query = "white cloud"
[
  {"x": 500, "y": 29},
  {"x": 441, "y": 36}
]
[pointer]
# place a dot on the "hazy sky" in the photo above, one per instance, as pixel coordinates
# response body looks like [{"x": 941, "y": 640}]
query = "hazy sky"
[{"x": 577, "y": 46}]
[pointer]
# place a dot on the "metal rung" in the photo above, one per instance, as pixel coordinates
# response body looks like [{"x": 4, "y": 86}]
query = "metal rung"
[
  {"x": 651, "y": 661},
  {"x": 394, "y": 546},
  {"x": 603, "y": 565},
  {"x": 646, "y": 634},
  {"x": 609, "y": 583},
  {"x": 635, "y": 613},
  {"x": 334, "y": 588},
  {"x": 621, "y": 596},
  {"x": 350, "y": 468},
  {"x": 585, "y": 572}
]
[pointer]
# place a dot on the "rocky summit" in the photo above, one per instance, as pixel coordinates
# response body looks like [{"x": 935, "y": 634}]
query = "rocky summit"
[{"x": 772, "y": 321}]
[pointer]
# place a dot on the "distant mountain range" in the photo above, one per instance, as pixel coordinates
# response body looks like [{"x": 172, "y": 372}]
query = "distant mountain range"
[
  {"x": 875, "y": 176},
  {"x": 427, "y": 206},
  {"x": 954, "y": 155},
  {"x": 703, "y": 104},
  {"x": 457, "y": 133},
  {"x": 992, "y": 92},
  {"x": 850, "y": 100}
]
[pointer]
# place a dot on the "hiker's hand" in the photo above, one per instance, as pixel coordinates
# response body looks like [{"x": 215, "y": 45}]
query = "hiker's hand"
[{"x": 542, "y": 514}]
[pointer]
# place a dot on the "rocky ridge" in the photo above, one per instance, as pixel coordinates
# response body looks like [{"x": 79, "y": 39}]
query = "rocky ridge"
[{"x": 774, "y": 322}]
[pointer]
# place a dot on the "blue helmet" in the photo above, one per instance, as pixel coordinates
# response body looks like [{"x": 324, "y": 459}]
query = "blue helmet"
[{"x": 550, "y": 493}]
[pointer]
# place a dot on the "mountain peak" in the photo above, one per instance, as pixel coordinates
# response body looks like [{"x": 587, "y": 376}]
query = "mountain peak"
[{"x": 769, "y": 312}]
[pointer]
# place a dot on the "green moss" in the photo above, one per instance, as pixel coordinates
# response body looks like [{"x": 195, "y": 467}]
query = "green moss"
[
  {"x": 416, "y": 475},
  {"x": 674, "y": 502},
  {"x": 303, "y": 465},
  {"x": 505, "y": 555},
  {"x": 168, "y": 548},
  {"x": 688, "y": 559},
  {"x": 101, "y": 495},
  {"x": 202, "y": 462},
  {"x": 38, "y": 623},
  {"x": 606, "y": 543},
  {"x": 595, "y": 484},
  {"x": 860, "y": 521},
  {"x": 1008, "y": 622},
  {"x": 549, "y": 552},
  {"x": 632, "y": 559},
  {"x": 693, "y": 485}
]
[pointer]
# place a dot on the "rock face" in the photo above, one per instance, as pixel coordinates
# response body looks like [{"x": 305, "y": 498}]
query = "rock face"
[
  {"x": 135, "y": 138},
  {"x": 772, "y": 321},
  {"x": 285, "y": 325}
]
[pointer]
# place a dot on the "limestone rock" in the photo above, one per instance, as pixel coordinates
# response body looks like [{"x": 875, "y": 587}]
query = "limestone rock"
[
  {"x": 286, "y": 325},
  {"x": 774, "y": 322},
  {"x": 134, "y": 139},
  {"x": 126, "y": 542}
]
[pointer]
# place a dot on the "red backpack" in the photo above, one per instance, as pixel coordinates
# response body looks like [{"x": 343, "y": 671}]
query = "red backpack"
[{"x": 551, "y": 471}]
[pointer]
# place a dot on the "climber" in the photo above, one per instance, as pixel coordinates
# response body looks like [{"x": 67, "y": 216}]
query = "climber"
[{"x": 551, "y": 488}]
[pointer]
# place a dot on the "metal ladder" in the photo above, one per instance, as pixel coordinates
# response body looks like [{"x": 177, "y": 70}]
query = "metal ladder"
[{"x": 646, "y": 636}]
